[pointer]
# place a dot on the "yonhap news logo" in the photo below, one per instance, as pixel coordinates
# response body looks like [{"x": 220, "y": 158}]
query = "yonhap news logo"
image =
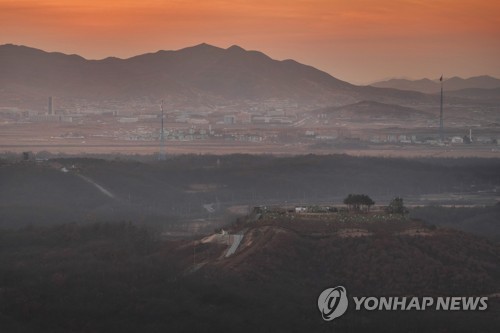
[{"x": 333, "y": 303}]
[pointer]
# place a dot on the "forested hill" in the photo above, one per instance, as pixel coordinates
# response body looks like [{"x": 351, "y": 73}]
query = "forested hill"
[{"x": 103, "y": 277}]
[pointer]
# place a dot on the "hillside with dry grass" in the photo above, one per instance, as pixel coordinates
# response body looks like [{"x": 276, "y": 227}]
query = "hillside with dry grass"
[{"x": 123, "y": 278}]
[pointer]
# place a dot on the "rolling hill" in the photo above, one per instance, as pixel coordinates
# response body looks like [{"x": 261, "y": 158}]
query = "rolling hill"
[
  {"x": 120, "y": 277},
  {"x": 433, "y": 86},
  {"x": 370, "y": 110},
  {"x": 70, "y": 263},
  {"x": 483, "y": 95}
]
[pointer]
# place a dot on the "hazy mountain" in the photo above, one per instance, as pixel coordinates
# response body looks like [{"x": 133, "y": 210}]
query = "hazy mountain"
[
  {"x": 478, "y": 82},
  {"x": 366, "y": 110},
  {"x": 452, "y": 84},
  {"x": 201, "y": 72},
  {"x": 423, "y": 85},
  {"x": 491, "y": 95}
]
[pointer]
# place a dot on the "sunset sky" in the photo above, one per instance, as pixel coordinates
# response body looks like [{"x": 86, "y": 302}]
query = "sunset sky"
[{"x": 359, "y": 41}]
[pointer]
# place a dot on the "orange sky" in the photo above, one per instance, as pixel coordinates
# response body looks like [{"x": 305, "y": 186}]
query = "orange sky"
[{"x": 355, "y": 40}]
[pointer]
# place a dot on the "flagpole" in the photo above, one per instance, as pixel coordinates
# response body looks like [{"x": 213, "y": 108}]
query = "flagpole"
[{"x": 441, "y": 125}]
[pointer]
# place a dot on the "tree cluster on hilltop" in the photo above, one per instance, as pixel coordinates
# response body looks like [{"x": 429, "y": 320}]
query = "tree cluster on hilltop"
[
  {"x": 396, "y": 206},
  {"x": 357, "y": 202}
]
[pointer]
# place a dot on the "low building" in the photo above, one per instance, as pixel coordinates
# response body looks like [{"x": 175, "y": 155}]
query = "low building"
[
  {"x": 244, "y": 118},
  {"x": 300, "y": 209},
  {"x": 128, "y": 120},
  {"x": 45, "y": 118},
  {"x": 276, "y": 113},
  {"x": 484, "y": 139},
  {"x": 310, "y": 133},
  {"x": 229, "y": 119}
]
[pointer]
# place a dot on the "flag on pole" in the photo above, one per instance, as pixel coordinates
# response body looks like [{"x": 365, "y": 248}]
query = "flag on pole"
[{"x": 441, "y": 79}]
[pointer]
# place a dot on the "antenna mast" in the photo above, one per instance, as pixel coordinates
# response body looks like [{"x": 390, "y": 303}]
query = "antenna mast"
[
  {"x": 441, "y": 125},
  {"x": 162, "y": 156}
]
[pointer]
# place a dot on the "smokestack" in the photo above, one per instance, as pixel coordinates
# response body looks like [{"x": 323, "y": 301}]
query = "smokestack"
[{"x": 50, "y": 111}]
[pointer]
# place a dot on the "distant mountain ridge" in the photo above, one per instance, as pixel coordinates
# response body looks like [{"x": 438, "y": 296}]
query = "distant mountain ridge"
[
  {"x": 199, "y": 71},
  {"x": 366, "y": 110},
  {"x": 197, "y": 74},
  {"x": 452, "y": 84}
]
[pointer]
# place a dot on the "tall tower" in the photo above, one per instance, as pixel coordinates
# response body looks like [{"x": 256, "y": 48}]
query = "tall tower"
[
  {"x": 441, "y": 125},
  {"x": 50, "y": 107},
  {"x": 162, "y": 156}
]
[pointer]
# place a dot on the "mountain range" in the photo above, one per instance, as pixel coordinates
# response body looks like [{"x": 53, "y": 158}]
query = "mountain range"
[
  {"x": 198, "y": 71},
  {"x": 202, "y": 74},
  {"x": 433, "y": 86},
  {"x": 205, "y": 75}
]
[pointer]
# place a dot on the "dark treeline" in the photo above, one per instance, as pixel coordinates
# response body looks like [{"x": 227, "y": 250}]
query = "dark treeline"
[
  {"x": 484, "y": 221},
  {"x": 152, "y": 191}
]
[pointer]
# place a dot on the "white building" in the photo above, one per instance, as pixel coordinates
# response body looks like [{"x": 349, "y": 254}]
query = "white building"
[
  {"x": 300, "y": 209},
  {"x": 128, "y": 120}
]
